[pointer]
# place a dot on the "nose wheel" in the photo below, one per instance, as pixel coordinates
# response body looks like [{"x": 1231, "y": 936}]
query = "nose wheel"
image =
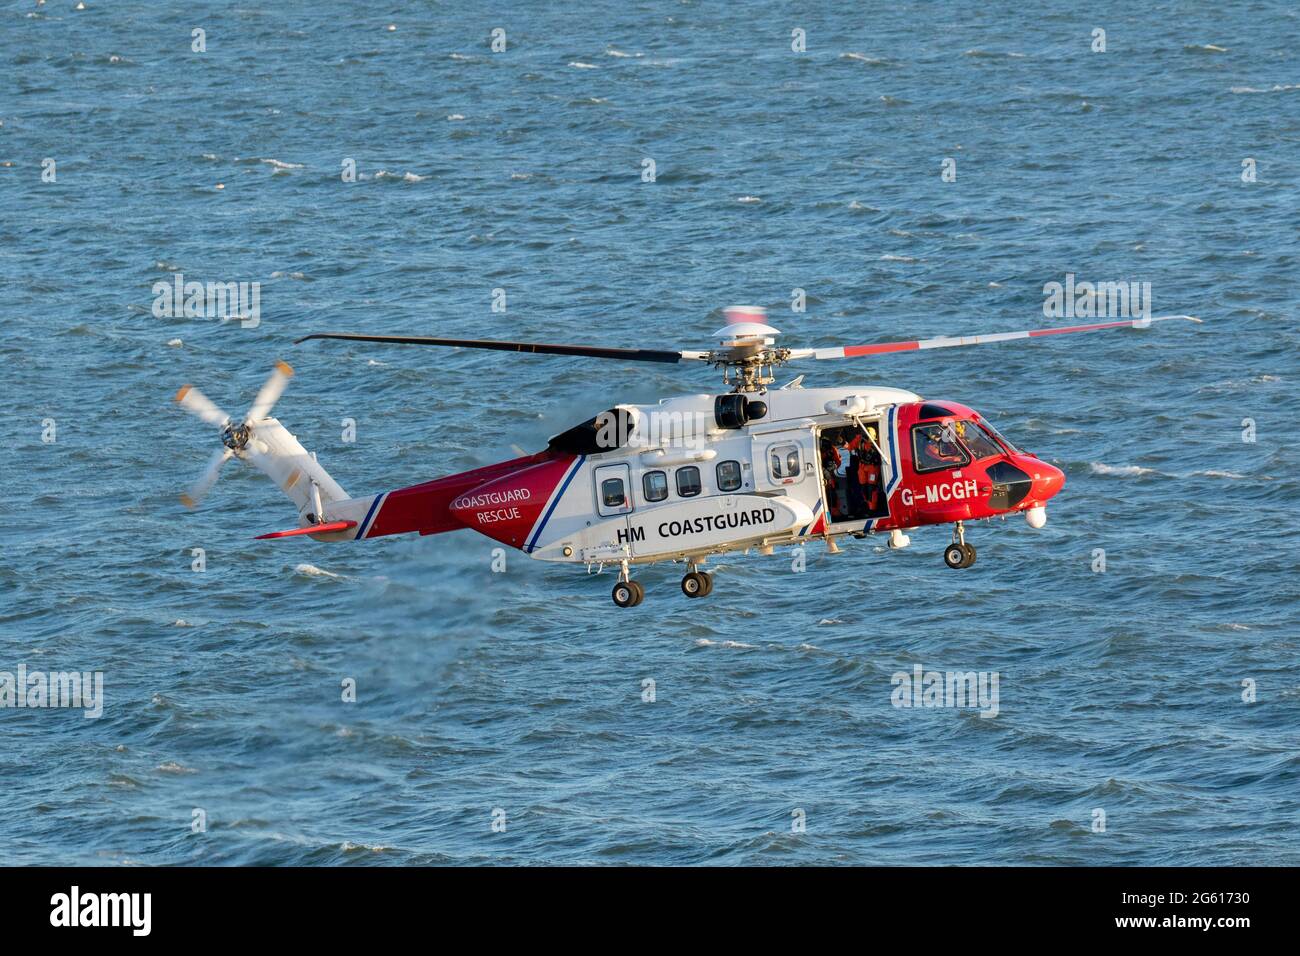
[{"x": 959, "y": 554}]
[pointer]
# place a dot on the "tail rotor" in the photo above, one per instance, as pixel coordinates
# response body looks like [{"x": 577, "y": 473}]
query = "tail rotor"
[{"x": 236, "y": 437}]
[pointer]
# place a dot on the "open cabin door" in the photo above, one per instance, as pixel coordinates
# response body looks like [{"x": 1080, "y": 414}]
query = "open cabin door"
[{"x": 855, "y": 470}]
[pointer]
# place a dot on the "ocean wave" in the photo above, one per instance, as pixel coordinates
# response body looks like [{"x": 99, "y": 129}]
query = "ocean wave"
[
  {"x": 863, "y": 58},
  {"x": 1120, "y": 471},
  {"x": 310, "y": 570}
]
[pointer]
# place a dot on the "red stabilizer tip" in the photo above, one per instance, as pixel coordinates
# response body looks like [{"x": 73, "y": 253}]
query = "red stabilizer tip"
[{"x": 310, "y": 529}]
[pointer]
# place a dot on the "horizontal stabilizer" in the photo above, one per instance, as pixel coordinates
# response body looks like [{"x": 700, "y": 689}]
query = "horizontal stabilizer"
[{"x": 310, "y": 529}]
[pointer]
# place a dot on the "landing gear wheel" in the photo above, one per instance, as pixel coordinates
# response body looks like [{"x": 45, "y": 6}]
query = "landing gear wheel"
[
  {"x": 628, "y": 594},
  {"x": 708, "y": 583},
  {"x": 970, "y": 555},
  {"x": 695, "y": 584},
  {"x": 955, "y": 555}
]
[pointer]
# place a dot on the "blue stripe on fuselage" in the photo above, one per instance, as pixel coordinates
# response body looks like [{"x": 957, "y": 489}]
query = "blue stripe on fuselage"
[{"x": 564, "y": 486}]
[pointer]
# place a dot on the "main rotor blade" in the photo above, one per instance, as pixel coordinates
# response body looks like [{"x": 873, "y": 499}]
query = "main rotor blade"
[
  {"x": 196, "y": 403},
  {"x": 207, "y": 479},
  {"x": 589, "y": 351},
  {"x": 945, "y": 342},
  {"x": 270, "y": 392}
]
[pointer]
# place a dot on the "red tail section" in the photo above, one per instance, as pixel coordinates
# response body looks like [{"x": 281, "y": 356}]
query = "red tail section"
[{"x": 426, "y": 508}]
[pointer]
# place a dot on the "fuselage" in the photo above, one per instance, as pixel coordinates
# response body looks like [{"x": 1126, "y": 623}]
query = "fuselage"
[{"x": 703, "y": 474}]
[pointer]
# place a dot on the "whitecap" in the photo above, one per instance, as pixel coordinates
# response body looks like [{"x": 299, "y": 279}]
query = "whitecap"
[
  {"x": 175, "y": 343},
  {"x": 889, "y": 258},
  {"x": 1275, "y": 88},
  {"x": 748, "y": 199},
  {"x": 281, "y": 165},
  {"x": 404, "y": 177},
  {"x": 705, "y": 642},
  {"x": 1121, "y": 471},
  {"x": 312, "y": 571},
  {"x": 455, "y": 116},
  {"x": 619, "y": 53},
  {"x": 579, "y": 65}
]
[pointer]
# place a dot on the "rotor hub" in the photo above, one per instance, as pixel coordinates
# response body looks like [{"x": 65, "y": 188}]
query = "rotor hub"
[{"x": 234, "y": 437}]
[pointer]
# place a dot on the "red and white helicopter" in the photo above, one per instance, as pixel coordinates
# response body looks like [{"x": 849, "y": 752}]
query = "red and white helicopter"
[{"x": 693, "y": 476}]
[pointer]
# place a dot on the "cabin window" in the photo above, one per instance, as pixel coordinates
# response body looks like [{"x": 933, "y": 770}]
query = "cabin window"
[
  {"x": 785, "y": 462},
  {"x": 980, "y": 444},
  {"x": 655, "y": 485},
  {"x": 728, "y": 475},
  {"x": 688, "y": 481},
  {"x": 612, "y": 493},
  {"x": 935, "y": 447}
]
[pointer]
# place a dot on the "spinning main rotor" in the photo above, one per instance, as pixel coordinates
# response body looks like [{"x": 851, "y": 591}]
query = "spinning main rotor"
[{"x": 747, "y": 351}]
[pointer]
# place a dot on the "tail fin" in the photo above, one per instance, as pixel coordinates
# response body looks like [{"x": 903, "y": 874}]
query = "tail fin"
[{"x": 276, "y": 453}]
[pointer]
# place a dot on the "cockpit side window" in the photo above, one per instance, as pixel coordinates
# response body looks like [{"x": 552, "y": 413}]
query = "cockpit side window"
[
  {"x": 976, "y": 440},
  {"x": 998, "y": 436},
  {"x": 935, "y": 446}
]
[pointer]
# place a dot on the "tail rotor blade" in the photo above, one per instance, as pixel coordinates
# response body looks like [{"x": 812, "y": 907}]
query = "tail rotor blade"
[
  {"x": 198, "y": 404},
  {"x": 270, "y": 393},
  {"x": 207, "y": 479}
]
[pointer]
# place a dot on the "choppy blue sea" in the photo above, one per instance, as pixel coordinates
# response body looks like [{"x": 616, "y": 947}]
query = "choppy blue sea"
[{"x": 518, "y": 696}]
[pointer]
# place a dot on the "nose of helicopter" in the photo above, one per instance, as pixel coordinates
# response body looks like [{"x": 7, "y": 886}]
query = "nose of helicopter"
[{"x": 1048, "y": 479}]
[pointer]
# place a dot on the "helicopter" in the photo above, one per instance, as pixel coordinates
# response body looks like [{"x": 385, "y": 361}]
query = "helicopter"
[{"x": 691, "y": 477}]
